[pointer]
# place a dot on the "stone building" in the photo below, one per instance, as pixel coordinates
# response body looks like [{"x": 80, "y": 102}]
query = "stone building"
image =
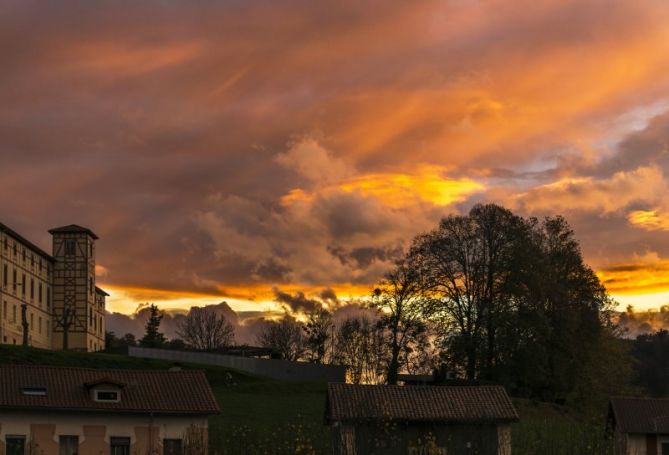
[
  {"x": 71, "y": 411},
  {"x": 47, "y": 300},
  {"x": 419, "y": 420}
]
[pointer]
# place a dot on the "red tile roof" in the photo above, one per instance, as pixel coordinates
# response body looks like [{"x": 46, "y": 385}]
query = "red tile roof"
[
  {"x": 447, "y": 404},
  {"x": 640, "y": 415},
  {"x": 144, "y": 391}
]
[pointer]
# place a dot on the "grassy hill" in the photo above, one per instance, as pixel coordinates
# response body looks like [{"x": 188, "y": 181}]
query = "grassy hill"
[{"x": 269, "y": 417}]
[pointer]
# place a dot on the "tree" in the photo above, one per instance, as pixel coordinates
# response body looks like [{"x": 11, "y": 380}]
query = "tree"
[
  {"x": 361, "y": 344},
  {"x": 65, "y": 321},
  {"x": 513, "y": 301},
  {"x": 284, "y": 337},
  {"x": 651, "y": 352},
  {"x": 318, "y": 330},
  {"x": 153, "y": 338},
  {"x": 128, "y": 340},
  {"x": 465, "y": 269},
  {"x": 400, "y": 296},
  {"x": 204, "y": 329}
]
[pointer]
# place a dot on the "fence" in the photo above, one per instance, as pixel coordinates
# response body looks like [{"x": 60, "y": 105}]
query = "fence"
[{"x": 276, "y": 369}]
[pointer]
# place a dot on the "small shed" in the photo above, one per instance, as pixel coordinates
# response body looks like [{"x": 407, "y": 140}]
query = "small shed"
[
  {"x": 640, "y": 426},
  {"x": 434, "y": 420}
]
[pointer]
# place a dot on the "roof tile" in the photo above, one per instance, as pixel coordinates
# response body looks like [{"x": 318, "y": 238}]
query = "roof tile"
[
  {"x": 641, "y": 415},
  {"x": 420, "y": 403},
  {"x": 160, "y": 392}
]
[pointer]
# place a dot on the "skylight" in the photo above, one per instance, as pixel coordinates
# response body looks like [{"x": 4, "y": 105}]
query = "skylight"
[{"x": 34, "y": 391}]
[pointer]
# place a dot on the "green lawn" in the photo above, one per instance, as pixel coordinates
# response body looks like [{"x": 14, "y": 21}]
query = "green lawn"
[{"x": 268, "y": 417}]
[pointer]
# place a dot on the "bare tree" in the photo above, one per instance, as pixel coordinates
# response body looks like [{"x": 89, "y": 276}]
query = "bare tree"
[
  {"x": 205, "y": 329},
  {"x": 465, "y": 265},
  {"x": 285, "y": 337},
  {"x": 361, "y": 344},
  {"x": 65, "y": 321},
  {"x": 318, "y": 333},
  {"x": 400, "y": 297}
]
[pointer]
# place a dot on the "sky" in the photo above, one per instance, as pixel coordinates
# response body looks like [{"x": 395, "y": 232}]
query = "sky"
[{"x": 272, "y": 153}]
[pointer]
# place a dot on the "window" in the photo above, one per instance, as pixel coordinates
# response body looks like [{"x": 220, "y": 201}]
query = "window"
[
  {"x": 14, "y": 280},
  {"x": 32, "y": 322},
  {"x": 32, "y": 288},
  {"x": 4, "y": 275},
  {"x": 14, "y": 313},
  {"x": 23, "y": 285},
  {"x": 6, "y": 244},
  {"x": 4, "y": 310},
  {"x": 15, "y": 249},
  {"x": 48, "y": 297},
  {"x": 70, "y": 247},
  {"x": 40, "y": 264},
  {"x": 171, "y": 446},
  {"x": 32, "y": 260},
  {"x": 664, "y": 447},
  {"x": 39, "y": 324},
  {"x": 23, "y": 253},
  {"x": 39, "y": 293},
  {"x": 15, "y": 445},
  {"x": 68, "y": 445},
  {"x": 90, "y": 249},
  {"x": 106, "y": 395},
  {"x": 34, "y": 391},
  {"x": 119, "y": 446}
]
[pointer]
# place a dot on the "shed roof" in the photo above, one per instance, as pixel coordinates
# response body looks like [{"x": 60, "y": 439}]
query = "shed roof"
[
  {"x": 640, "y": 415},
  {"x": 447, "y": 404},
  {"x": 144, "y": 391}
]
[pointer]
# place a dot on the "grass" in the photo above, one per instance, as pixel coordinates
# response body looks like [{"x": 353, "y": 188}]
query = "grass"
[{"x": 269, "y": 417}]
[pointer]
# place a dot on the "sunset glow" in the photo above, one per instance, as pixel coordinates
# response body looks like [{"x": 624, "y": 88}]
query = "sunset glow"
[{"x": 224, "y": 151}]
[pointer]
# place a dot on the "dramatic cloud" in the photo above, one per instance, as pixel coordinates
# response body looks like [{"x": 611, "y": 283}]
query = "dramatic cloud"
[{"x": 224, "y": 150}]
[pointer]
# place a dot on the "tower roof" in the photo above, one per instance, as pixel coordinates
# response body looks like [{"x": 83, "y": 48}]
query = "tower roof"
[{"x": 74, "y": 228}]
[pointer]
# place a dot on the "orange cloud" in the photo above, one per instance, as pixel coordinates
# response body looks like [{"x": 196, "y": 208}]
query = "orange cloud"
[
  {"x": 254, "y": 297},
  {"x": 646, "y": 275},
  {"x": 604, "y": 195},
  {"x": 427, "y": 185},
  {"x": 650, "y": 220}
]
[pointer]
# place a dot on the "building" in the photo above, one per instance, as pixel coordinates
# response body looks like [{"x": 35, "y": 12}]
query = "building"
[
  {"x": 50, "y": 301},
  {"x": 69, "y": 411},
  {"x": 640, "y": 426},
  {"x": 369, "y": 419}
]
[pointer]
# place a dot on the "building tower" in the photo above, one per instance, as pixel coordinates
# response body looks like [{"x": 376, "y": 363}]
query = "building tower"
[{"x": 77, "y": 316}]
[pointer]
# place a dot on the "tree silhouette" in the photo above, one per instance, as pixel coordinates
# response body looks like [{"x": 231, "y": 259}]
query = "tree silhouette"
[{"x": 153, "y": 338}]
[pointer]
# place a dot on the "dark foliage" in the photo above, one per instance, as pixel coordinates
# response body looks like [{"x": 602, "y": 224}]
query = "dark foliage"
[
  {"x": 651, "y": 353},
  {"x": 153, "y": 338}
]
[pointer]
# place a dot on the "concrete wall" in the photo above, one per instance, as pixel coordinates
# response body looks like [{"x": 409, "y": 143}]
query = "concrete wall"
[
  {"x": 146, "y": 433},
  {"x": 276, "y": 369}
]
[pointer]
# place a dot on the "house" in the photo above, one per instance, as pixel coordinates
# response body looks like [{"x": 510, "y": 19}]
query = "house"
[
  {"x": 68, "y": 411},
  {"x": 51, "y": 301},
  {"x": 369, "y": 419},
  {"x": 640, "y": 426}
]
